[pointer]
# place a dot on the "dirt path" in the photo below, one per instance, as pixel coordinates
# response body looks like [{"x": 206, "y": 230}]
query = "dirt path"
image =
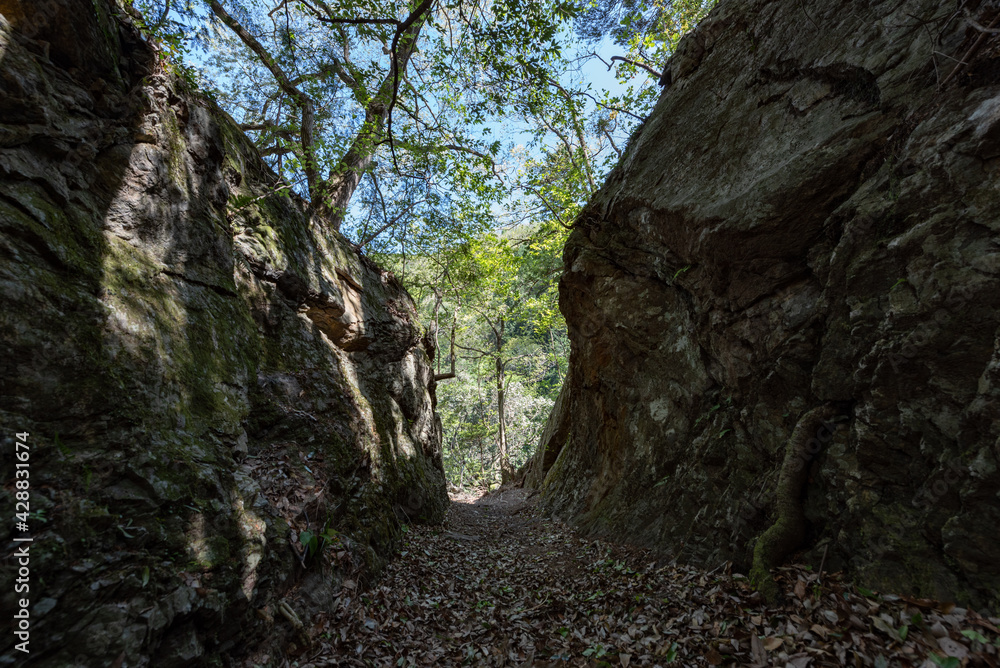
[{"x": 499, "y": 585}]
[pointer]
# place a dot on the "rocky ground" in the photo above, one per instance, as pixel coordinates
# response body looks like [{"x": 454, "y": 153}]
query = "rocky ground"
[{"x": 499, "y": 585}]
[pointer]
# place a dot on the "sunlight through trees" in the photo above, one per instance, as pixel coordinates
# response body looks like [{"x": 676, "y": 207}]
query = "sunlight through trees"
[{"x": 455, "y": 142}]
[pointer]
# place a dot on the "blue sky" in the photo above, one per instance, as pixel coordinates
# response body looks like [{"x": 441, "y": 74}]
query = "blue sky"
[{"x": 592, "y": 72}]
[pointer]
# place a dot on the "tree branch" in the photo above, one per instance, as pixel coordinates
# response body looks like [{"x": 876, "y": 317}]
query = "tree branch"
[
  {"x": 336, "y": 192},
  {"x": 371, "y": 237},
  {"x": 972, "y": 22},
  {"x": 399, "y": 63},
  {"x": 332, "y": 19},
  {"x": 967, "y": 58},
  {"x": 308, "y": 113},
  {"x": 571, "y": 152},
  {"x": 637, "y": 64},
  {"x": 613, "y": 108},
  {"x": 578, "y": 127},
  {"x": 268, "y": 126},
  {"x": 274, "y": 150},
  {"x": 482, "y": 353},
  {"x": 555, "y": 214}
]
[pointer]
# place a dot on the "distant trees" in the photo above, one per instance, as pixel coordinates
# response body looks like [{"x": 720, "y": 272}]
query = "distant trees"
[
  {"x": 495, "y": 295},
  {"x": 499, "y": 289}
]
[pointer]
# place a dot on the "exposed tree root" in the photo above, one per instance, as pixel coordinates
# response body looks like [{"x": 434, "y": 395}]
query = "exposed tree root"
[{"x": 789, "y": 528}]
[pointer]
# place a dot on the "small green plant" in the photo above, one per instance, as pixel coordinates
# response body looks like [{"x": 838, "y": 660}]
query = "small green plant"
[
  {"x": 124, "y": 528},
  {"x": 595, "y": 651},
  {"x": 708, "y": 414},
  {"x": 330, "y": 536},
  {"x": 314, "y": 543},
  {"x": 63, "y": 450},
  {"x": 671, "y": 654},
  {"x": 945, "y": 661},
  {"x": 897, "y": 283},
  {"x": 309, "y": 541},
  {"x": 976, "y": 636}
]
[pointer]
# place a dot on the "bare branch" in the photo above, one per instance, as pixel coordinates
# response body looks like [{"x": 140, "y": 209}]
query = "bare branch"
[
  {"x": 615, "y": 147},
  {"x": 972, "y": 22},
  {"x": 392, "y": 222},
  {"x": 482, "y": 353},
  {"x": 967, "y": 58},
  {"x": 557, "y": 216},
  {"x": 578, "y": 127},
  {"x": 268, "y": 126},
  {"x": 571, "y": 153},
  {"x": 399, "y": 62},
  {"x": 613, "y": 108},
  {"x": 274, "y": 150},
  {"x": 328, "y": 16},
  {"x": 637, "y": 64}
]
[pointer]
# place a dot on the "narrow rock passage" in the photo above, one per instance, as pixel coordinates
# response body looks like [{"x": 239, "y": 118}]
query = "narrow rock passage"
[{"x": 500, "y": 585}]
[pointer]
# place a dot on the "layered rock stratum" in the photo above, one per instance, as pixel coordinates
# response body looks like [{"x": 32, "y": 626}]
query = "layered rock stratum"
[
  {"x": 807, "y": 220},
  {"x": 203, "y": 371}
]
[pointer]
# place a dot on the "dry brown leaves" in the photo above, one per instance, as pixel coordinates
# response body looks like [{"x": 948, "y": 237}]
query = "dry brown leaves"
[
  {"x": 501, "y": 586},
  {"x": 294, "y": 483}
]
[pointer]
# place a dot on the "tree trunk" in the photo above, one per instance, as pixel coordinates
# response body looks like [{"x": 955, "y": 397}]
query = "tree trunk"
[
  {"x": 338, "y": 189},
  {"x": 506, "y": 471},
  {"x": 289, "y": 88},
  {"x": 331, "y": 197}
]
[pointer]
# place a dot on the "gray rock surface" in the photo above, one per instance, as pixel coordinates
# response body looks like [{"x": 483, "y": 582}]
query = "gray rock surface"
[
  {"x": 203, "y": 372},
  {"x": 807, "y": 216}
]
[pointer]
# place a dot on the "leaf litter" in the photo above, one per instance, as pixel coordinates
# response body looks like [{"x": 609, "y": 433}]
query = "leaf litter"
[{"x": 499, "y": 584}]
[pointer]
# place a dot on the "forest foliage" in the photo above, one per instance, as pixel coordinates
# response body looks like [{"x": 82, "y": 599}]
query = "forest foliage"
[{"x": 454, "y": 141}]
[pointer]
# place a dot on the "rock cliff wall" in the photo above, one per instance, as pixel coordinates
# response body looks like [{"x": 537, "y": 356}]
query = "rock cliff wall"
[
  {"x": 807, "y": 219},
  {"x": 204, "y": 373}
]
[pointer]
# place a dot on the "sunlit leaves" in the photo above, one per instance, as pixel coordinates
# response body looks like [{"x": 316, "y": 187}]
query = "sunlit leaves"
[{"x": 644, "y": 31}]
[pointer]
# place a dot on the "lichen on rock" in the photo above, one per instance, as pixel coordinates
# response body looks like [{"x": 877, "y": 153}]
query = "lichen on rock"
[
  {"x": 205, "y": 373},
  {"x": 808, "y": 215}
]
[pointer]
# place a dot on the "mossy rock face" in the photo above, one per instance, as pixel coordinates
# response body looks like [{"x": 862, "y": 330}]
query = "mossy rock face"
[
  {"x": 200, "y": 385},
  {"x": 805, "y": 217}
]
